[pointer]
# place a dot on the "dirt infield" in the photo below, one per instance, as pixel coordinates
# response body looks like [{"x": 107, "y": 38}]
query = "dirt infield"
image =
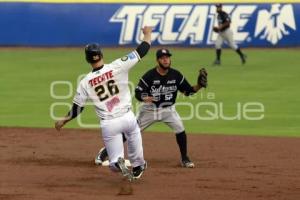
[{"x": 42, "y": 164}]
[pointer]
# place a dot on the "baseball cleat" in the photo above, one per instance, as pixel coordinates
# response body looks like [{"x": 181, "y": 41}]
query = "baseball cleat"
[
  {"x": 101, "y": 156},
  {"x": 139, "y": 170},
  {"x": 244, "y": 58},
  {"x": 187, "y": 163},
  {"x": 217, "y": 62},
  {"x": 125, "y": 171}
]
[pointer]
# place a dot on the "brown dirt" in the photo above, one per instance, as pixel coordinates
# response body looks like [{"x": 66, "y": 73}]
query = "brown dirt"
[{"x": 42, "y": 164}]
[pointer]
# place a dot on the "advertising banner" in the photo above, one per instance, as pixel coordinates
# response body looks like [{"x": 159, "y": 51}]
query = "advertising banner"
[{"x": 119, "y": 24}]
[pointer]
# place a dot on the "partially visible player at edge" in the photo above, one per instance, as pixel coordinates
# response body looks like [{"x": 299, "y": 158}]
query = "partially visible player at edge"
[
  {"x": 107, "y": 86},
  {"x": 225, "y": 34}
]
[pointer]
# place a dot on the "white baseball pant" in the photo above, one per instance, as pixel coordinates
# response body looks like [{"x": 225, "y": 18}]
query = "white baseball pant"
[{"x": 112, "y": 130}]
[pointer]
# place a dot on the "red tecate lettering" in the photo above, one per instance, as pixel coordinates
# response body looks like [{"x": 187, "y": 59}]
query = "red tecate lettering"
[{"x": 103, "y": 77}]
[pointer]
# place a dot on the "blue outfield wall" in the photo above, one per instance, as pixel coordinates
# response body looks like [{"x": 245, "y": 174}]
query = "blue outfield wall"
[{"x": 67, "y": 24}]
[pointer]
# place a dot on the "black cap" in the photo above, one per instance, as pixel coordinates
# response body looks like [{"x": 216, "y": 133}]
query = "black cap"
[
  {"x": 218, "y": 5},
  {"x": 162, "y": 52}
]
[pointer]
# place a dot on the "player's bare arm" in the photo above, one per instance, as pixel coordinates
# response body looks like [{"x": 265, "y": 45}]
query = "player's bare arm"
[
  {"x": 147, "y": 30},
  {"x": 197, "y": 88},
  {"x": 201, "y": 83},
  {"x": 144, "y": 47},
  {"x": 221, "y": 26},
  {"x": 60, "y": 123},
  {"x": 73, "y": 113},
  {"x": 224, "y": 25}
]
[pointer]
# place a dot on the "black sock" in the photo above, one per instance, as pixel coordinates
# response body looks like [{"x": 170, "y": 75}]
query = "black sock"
[
  {"x": 124, "y": 138},
  {"x": 240, "y": 52},
  {"x": 182, "y": 143},
  {"x": 218, "y": 52}
]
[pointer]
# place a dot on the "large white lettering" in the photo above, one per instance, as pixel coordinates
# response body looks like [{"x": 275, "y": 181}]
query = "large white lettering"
[
  {"x": 240, "y": 18},
  {"x": 195, "y": 26},
  {"x": 192, "y": 24},
  {"x": 127, "y": 15}
]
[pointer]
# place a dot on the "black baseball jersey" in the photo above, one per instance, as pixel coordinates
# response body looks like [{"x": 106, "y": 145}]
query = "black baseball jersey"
[
  {"x": 223, "y": 17},
  {"x": 162, "y": 88}
]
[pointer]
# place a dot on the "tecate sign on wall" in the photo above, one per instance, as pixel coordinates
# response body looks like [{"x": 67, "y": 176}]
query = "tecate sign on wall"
[
  {"x": 192, "y": 24},
  {"x": 50, "y": 24}
]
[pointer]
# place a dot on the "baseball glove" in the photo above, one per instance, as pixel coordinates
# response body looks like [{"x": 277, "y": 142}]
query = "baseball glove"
[
  {"x": 216, "y": 29},
  {"x": 202, "y": 78}
]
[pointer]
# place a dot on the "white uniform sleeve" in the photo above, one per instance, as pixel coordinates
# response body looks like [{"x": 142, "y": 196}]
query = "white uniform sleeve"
[
  {"x": 81, "y": 95},
  {"x": 127, "y": 62}
]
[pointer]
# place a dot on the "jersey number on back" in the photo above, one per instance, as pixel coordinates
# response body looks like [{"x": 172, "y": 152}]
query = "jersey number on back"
[{"x": 105, "y": 92}]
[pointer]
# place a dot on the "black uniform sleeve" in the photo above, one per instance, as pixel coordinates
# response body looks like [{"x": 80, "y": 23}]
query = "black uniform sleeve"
[
  {"x": 185, "y": 87},
  {"x": 75, "y": 111},
  {"x": 142, "y": 89},
  {"x": 225, "y": 19},
  {"x": 143, "y": 49}
]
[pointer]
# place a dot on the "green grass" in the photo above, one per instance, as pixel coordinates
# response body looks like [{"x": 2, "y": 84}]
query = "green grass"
[{"x": 270, "y": 77}]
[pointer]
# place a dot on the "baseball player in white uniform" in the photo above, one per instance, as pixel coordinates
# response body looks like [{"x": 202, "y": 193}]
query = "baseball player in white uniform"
[{"x": 107, "y": 86}]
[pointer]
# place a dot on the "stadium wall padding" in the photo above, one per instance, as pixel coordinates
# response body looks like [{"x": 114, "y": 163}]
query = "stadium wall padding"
[{"x": 115, "y": 24}]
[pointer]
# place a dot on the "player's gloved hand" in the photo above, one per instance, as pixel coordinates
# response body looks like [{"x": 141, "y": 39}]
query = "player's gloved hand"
[
  {"x": 202, "y": 78},
  {"x": 216, "y": 29}
]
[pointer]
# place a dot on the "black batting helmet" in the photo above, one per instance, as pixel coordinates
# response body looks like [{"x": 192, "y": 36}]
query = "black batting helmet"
[
  {"x": 219, "y": 5},
  {"x": 93, "y": 53}
]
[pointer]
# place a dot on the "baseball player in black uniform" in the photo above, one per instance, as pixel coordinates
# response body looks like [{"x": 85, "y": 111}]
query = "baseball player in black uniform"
[
  {"x": 225, "y": 34},
  {"x": 157, "y": 90}
]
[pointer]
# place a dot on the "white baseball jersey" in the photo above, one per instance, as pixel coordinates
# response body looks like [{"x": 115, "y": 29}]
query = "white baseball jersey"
[{"x": 108, "y": 87}]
